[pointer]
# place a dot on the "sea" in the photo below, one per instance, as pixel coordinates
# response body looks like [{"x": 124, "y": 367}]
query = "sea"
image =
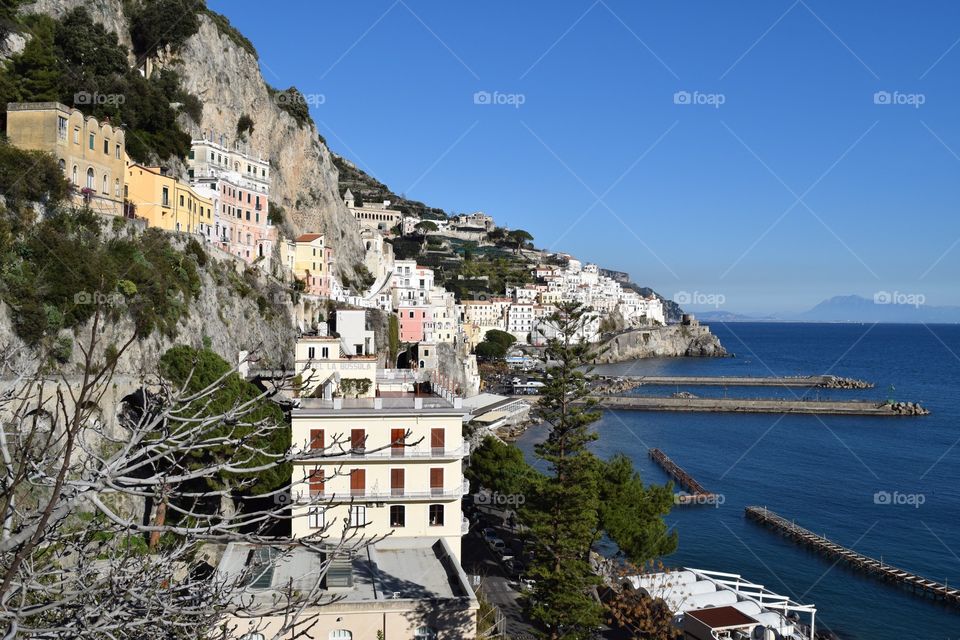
[{"x": 888, "y": 487}]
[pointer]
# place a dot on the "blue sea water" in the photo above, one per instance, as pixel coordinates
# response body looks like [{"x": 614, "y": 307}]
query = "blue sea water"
[{"x": 824, "y": 472}]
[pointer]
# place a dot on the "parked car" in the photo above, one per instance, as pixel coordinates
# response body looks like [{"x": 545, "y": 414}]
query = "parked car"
[
  {"x": 497, "y": 545},
  {"x": 489, "y": 534}
]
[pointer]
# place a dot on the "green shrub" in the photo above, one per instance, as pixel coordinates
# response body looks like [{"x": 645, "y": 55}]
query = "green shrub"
[
  {"x": 155, "y": 24},
  {"x": 227, "y": 29},
  {"x": 294, "y": 103},
  {"x": 62, "y": 349}
]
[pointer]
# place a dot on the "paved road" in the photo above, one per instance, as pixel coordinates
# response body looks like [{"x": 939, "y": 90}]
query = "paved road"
[{"x": 480, "y": 560}]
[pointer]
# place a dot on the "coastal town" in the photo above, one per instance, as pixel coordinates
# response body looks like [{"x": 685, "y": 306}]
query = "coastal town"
[{"x": 250, "y": 393}]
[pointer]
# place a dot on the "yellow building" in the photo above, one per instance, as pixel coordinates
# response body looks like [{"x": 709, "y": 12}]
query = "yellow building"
[
  {"x": 165, "y": 202},
  {"x": 92, "y": 154}
]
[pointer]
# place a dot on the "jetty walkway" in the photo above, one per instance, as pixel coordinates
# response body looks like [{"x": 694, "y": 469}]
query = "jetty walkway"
[
  {"x": 865, "y": 564},
  {"x": 697, "y": 494},
  {"x": 761, "y": 405},
  {"x": 820, "y": 382}
]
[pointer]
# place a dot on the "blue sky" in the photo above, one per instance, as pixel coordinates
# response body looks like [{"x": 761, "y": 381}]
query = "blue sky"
[{"x": 799, "y": 186}]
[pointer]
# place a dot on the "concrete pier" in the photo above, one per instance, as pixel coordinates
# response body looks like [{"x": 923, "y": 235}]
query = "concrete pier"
[
  {"x": 820, "y": 382},
  {"x": 760, "y": 405}
]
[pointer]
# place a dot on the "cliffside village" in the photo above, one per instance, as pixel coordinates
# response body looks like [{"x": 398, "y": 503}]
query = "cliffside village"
[{"x": 389, "y": 443}]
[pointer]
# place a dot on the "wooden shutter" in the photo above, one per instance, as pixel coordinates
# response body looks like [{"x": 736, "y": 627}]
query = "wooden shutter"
[
  {"x": 436, "y": 480},
  {"x": 437, "y": 439},
  {"x": 397, "y": 478},
  {"x": 358, "y": 482},
  {"x": 316, "y": 438},
  {"x": 358, "y": 439},
  {"x": 316, "y": 482},
  {"x": 397, "y": 447}
]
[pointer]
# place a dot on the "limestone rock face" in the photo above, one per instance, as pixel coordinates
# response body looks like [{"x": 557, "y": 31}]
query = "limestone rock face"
[
  {"x": 669, "y": 341},
  {"x": 227, "y": 80}
]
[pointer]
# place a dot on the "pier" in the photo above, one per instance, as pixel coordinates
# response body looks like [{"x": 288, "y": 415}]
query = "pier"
[
  {"x": 865, "y": 564},
  {"x": 761, "y": 405},
  {"x": 697, "y": 494},
  {"x": 819, "y": 382}
]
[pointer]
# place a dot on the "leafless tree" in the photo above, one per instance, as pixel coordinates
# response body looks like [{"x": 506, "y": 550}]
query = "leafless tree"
[{"x": 113, "y": 530}]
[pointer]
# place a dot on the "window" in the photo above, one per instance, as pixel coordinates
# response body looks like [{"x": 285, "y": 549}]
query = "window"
[
  {"x": 63, "y": 165},
  {"x": 358, "y": 440},
  {"x": 116, "y": 187},
  {"x": 165, "y": 199},
  {"x": 325, "y": 352},
  {"x": 317, "y": 480},
  {"x": 358, "y": 482},
  {"x": 311, "y": 352},
  {"x": 61, "y": 128},
  {"x": 316, "y": 439},
  {"x": 437, "y": 440},
  {"x": 341, "y": 634},
  {"x": 106, "y": 147},
  {"x": 358, "y": 515},
  {"x": 73, "y": 179},
  {"x": 93, "y": 141},
  {"x": 436, "y": 481},
  {"x": 316, "y": 518},
  {"x": 436, "y": 515},
  {"x": 397, "y": 477},
  {"x": 398, "y": 516},
  {"x": 76, "y": 135},
  {"x": 397, "y": 437},
  {"x": 106, "y": 184},
  {"x": 181, "y": 199},
  {"x": 425, "y": 633},
  {"x": 90, "y": 178}
]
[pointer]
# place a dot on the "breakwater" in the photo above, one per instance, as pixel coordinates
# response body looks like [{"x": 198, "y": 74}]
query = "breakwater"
[
  {"x": 762, "y": 405},
  {"x": 858, "y": 561},
  {"x": 818, "y": 381},
  {"x": 697, "y": 494}
]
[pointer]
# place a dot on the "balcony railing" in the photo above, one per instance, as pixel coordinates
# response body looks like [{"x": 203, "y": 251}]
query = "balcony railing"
[
  {"x": 303, "y": 495},
  {"x": 398, "y": 453}
]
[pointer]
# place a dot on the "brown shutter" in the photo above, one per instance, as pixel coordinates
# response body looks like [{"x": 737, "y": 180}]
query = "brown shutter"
[
  {"x": 397, "y": 478},
  {"x": 437, "y": 439},
  {"x": 358, "y": 482},
  {"x": 358, "y": 439},
  {"x": 316, "y": 482},
  {"x": 397, "y": 447},
  {"x": 436, "y": 481},
  {"x": 316, "y": 438}
]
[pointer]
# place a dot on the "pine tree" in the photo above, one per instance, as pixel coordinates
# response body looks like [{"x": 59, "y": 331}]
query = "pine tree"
[{"x": 563, "y": 512}]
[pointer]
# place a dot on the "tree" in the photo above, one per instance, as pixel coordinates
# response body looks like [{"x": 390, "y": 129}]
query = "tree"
[
  {"x": 519, "y": 238},
  {"x": 564, "y": 510},
  {"x": 500, "y": 467},
  {"x": 640, "y": 615},
  {"x": 631, "y": 514},
  {"x": 487, "y": 350},
  {"x": 500, "y": 337},
  {"x": 74, "y": 561},
  {"x": 155, "y": 24},
  {"x": 244, "y": 126},
  {"x": 426, "y": 226}
]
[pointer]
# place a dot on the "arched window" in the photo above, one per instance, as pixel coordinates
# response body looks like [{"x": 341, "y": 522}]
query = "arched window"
[
  {"x": 106, "y": 184},
  {"x": 341, "y": 634},
  {"x": 116, "y": 187},
  {"x": 90, "y": 178},
  {"x": 425, "y": 633},
  {"x": 63, "y": 165},
  {"x": 74, "y": 178}
]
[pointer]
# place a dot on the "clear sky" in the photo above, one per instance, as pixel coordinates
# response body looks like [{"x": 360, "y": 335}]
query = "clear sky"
[{"x": 775, "y": 178}]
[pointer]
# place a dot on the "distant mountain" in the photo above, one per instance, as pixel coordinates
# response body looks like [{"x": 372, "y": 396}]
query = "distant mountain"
[{"x": 884, "y": 307}]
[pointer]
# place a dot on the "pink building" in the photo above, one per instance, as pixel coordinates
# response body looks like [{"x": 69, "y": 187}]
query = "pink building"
[{"x": 412, "y": 320}]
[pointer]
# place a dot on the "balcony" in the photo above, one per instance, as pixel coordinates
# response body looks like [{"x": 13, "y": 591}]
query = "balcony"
[
  {"x": 303, "y": 495},
  {"x": 391, "y": 454}
]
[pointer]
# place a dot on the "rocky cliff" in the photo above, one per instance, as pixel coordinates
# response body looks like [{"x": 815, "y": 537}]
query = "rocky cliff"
[
  {"x": 669, "y": 341},
  {"x": 227, "y": 80}
]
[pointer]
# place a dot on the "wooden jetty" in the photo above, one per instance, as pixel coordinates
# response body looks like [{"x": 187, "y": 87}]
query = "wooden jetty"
[
  {"x": 820, "y": 381},
  {"x": 858, "y": 561},
  {"x": 760, "y": 405},
  {"x": 697, "y": 494}
]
